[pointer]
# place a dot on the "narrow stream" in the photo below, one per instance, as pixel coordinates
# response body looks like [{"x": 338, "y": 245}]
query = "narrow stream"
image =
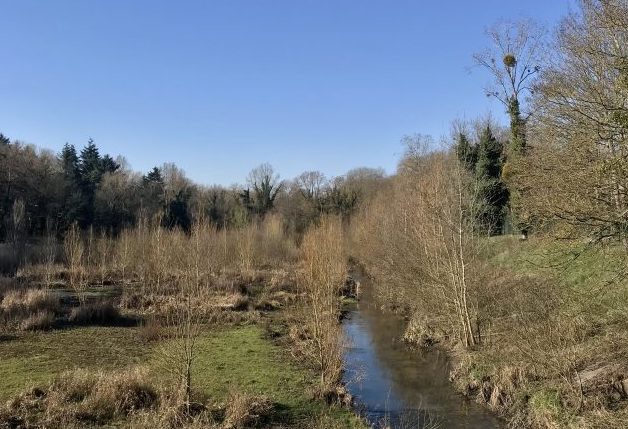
[{"x": 399, "y": 388}]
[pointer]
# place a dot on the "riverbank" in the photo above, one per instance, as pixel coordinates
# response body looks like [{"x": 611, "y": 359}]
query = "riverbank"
[
  {"x": 554, "y": 351},
  {"x": 393, "y": 385}
]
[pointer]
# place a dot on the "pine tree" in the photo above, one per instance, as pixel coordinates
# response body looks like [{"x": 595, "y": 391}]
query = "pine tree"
[
  {"x": 108, "y": 165},
  {"x": 69, "y": 162},
  {"x": 90, "y": 165},
  {"x": 466, "y": 152},
  {"x": 4, "y": 140},
  {"x": 153, "y": 176},
  {"x": 73, "y": 205},
  {"x": 492, "y": 190},
  {"x": 153, "y": 192}
]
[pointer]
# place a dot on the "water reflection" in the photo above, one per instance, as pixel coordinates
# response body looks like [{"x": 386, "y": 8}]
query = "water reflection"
[{"x": 402, "y": 388}]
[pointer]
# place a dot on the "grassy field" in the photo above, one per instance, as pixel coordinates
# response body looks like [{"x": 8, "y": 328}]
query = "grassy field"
[
  {"x": 32, "y": 359},
  {"x": 238, "y": 358}
]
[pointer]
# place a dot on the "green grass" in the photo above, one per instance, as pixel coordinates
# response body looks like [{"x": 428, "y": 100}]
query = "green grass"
[
  {"x": 35, "y": 358},
  {"x": 575, "y": 264},
  {"x": 242, "y": 359},
  {"x": 239, "y": 358}
]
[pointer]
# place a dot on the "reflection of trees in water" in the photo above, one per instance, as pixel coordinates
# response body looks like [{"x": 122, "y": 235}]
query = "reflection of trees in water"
[{"x": 413, "y": 389}]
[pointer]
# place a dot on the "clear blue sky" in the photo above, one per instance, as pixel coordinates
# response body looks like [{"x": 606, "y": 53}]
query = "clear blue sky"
[{"x": 219, "y": 87}]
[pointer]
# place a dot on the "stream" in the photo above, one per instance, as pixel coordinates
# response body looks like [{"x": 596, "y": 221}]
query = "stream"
[{"x": 395, "y": 387}]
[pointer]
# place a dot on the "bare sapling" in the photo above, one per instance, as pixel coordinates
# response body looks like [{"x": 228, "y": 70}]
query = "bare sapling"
[
  {"x": 444, "y": 210},
  {"x": 90, "y": 255},
  {"x": 104, "y": 251},
  {"x": 123, "y": 254},
  {"x": 183, "y": 322},
  {"x": 18, "y": 229},
  {"x": 157, "y": 252},
  {"x": 421, "y": 241},
  {"x": 74, "y": 253},
  {"x": 50, "y": 254},
  {"x": 324, "y": 273},
  {"x": 246, "y": 247}
]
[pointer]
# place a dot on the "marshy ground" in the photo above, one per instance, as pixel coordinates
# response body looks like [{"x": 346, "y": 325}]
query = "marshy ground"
[{"x": 241, "y": 353}]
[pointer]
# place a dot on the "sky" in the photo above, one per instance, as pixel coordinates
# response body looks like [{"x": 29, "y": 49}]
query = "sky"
[{"x": 218, "y": 87}]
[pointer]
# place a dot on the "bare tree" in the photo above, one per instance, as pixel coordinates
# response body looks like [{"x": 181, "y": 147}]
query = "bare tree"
[
  {"x": 514, "y": 60},
  {"x": 183, "y": 321},
  {"x": 420, "y": 241},
  {"x": 50, "y": 253},
  {"x": 577, "y": 171},
  {"x": 323, "y": 276},
  {"x": 310, "y": 184},
  {"x": 18, "y": 228},
  {"x": 74, "y": 254}
]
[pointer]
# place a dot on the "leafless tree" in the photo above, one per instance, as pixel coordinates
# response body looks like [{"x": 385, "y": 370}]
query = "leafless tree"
[
  {"x": 74, "y": 254},
  {"x": 310, "y": 184},
  {"x": 323, "y": 276},
  {"x": 514, "y": 60},
  {"x": 577, "y": 171}
]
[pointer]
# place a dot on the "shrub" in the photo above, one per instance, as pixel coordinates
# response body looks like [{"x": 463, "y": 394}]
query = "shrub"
[
  {"x": 151, "y": 330},
  {"x": 81, "y": 397},
  {"x": 17, "y": 301},
  {"x": 244, "y": 410},
  {"x": 101, "y": 312},
  {"x": 12, "y": 303},
  {"x": 32, "y": 309},
  {"x": 41, "y": 299},
  {"x": 41, "y": 320}
]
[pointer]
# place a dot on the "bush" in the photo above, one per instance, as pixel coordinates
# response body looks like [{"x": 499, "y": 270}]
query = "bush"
[
  {"x": 78, "y": 397},
  {"x": 102, "y": 312},
  {"x": 32, "y": 309},
  {"x": 151, "y": 330},
  {"x": 17, "y": 302},
  {"x": 41, "y": 320},
  {"x": 244, "y": 410}
]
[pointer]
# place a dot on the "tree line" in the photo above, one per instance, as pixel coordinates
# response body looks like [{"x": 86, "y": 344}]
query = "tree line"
[{"x": 44, "y": 193}]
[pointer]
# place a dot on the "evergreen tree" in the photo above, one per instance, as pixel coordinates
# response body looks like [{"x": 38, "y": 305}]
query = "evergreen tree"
[
  {"x": 108, "y": 165},
  {"x": 153, "y": 176},
  {"x": 73, "y": 204},
  {"x": 4, "y": 140},
  {"x": 493, "y": 191},
  {"x": 517, "y": 128},
  {"x": 90, "y": 170},
  {"x": 177, "y": 212},
  {"x": 153, "y": 192},
  {"x": 69, "y": 162},
  {"x": 467, "y": 152},
  {"x": 90, "y": 166}
]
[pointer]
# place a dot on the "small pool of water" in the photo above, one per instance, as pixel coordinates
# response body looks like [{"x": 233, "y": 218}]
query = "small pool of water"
[{"x": 397, "y": 387}]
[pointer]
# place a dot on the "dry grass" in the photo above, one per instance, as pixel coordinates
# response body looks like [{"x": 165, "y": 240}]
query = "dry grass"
[
  {"x": 246, "y": 410},
  {"x": 30, "y": 300},
  {"x": 81, "y": 398},
  {"x": 43, "y": 319},
  {"x": 101, "y": 312},
  {"x": 30, "y": 309}
]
